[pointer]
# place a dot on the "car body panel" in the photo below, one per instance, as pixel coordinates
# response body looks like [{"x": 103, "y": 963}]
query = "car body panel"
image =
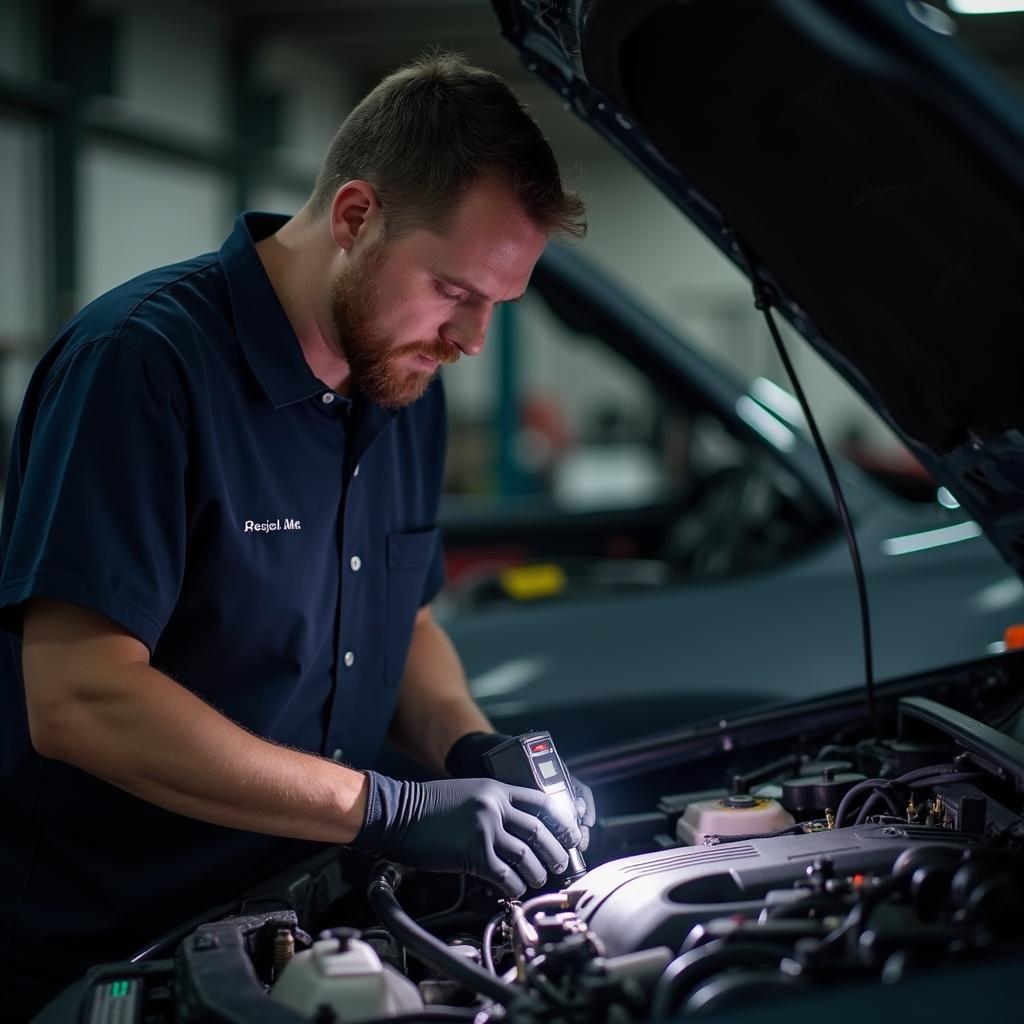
[{"x": 594, "y": 671}]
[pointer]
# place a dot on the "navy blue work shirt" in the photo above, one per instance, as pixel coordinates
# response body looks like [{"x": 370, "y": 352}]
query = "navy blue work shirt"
[{"x": 178, "y": 468}]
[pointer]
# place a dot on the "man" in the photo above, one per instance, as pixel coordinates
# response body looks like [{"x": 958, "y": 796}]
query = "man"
[{"x": 219, "y": 547}]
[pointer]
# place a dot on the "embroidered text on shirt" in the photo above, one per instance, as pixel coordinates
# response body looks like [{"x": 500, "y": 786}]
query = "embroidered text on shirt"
[{"x": 251, "y": 526}]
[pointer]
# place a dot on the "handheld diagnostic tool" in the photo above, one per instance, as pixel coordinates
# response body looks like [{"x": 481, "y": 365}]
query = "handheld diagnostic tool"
[{"x": 531, "y": 761}]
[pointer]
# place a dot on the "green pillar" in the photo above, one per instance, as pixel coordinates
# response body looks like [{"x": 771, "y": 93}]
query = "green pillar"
[{"x": 63, "y": 63}]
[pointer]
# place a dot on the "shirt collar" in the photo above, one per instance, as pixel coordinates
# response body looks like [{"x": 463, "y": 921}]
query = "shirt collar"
[{"x": 264, "y": 331}]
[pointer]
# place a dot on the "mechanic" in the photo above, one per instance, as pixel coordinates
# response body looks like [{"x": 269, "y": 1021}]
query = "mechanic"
[{"x": 219, "y": 548}]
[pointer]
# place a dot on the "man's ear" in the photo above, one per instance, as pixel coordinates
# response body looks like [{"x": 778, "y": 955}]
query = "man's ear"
[{"x": 354, "y": 212}]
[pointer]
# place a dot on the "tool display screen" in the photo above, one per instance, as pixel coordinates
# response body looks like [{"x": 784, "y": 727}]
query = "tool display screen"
[{"x": 548, "y": 769}]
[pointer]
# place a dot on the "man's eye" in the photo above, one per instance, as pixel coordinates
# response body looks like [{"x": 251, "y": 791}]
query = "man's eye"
[{"x": 445, "y": 294}]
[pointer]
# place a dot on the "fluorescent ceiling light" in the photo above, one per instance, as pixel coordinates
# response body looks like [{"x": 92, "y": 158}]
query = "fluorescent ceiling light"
[
  {"x": 931, "y": 538},
  {"x": 778, "y": 400},
  {"x": 986, "y": 6},
  {"x": 771, "y": 429}
]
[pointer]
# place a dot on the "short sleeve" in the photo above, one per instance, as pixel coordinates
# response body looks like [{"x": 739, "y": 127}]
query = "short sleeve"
[{"x": 97, "y": 493}]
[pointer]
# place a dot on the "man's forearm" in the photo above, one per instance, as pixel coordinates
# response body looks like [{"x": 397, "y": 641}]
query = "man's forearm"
[
  {"x": 435, "y": 707},
  {"x": 148, "y": 735}
]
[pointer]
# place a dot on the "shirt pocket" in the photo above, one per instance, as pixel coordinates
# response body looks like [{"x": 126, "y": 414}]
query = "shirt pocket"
[{"x": 410, "y": 556}]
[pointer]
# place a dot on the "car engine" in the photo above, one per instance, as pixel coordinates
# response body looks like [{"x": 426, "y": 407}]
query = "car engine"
[{"x": 864, "y": 862}]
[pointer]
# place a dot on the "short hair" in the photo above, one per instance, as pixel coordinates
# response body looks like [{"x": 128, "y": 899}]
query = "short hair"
[{"x": 432, "y": 129}]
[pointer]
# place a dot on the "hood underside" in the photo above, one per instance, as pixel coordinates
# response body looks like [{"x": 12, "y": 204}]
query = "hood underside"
[{"x": 874, "y": 171}]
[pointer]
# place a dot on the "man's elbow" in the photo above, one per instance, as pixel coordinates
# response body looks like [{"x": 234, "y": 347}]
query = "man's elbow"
[
  {"x": 47, "y": 730},
  {"x": 61, "y": 715},
  {"x": 76, "y": 665}
]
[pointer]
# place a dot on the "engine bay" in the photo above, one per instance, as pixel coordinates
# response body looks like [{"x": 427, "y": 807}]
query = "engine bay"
[{"x": 846, "y": 864}]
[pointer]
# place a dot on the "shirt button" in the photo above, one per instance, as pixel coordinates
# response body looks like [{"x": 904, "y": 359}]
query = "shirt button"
[
  {"x": 327, "y": 397},
  {"x": 356, "y": 562},
  {"x": 355, "y": 472},
  {"x": 350, "y": 659},
  {"x": 338, "y": 754}
]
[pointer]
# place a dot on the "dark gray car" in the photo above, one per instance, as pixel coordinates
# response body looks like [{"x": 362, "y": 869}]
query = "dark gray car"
[{"x": 744, "y": 594}]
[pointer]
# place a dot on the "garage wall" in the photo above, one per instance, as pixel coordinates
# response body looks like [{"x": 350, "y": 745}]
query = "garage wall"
[
  {"x": 21, "y": 210},
  {"x": 169, "y": 63},
  {"x": 140, "y": 212},
  {"x": 22, "y": 309}
]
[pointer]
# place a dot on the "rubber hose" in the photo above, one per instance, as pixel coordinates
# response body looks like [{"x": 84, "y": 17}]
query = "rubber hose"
[
  {"x": 432, "y": 951},
  {"x": 690, "y": 969},
  {"x": 486, "y": 948}
]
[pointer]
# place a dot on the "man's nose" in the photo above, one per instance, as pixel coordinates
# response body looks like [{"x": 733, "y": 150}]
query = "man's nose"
[{"x": 468, "y": 329}]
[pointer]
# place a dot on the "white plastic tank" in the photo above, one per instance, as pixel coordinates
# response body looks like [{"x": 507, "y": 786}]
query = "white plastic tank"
[
  {"x": 347, "y": 975},
  {"x": 737, "y": 815}
]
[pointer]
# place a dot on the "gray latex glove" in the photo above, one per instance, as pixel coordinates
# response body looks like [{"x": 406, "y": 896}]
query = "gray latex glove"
[
  {"x": 506, "y": 835},
  {"x": 466, "y": 759},
  {"x": 584, "y": 808}
]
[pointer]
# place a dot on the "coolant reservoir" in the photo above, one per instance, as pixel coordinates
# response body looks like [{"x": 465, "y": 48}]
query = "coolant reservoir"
[
  {"x": 348, "y": 976},
  {"x": 735, "y": 815}
]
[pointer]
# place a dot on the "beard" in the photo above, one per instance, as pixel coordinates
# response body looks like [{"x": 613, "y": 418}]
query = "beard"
[{"x": 379, "y": 367}]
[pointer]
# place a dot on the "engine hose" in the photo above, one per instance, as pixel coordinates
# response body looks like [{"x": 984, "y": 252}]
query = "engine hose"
[
  {"x": 521, "y": 916},
  {"x": 690, "y": 969},
  {"x": 487, "y": 946},
  {"x": 919, "y": 778},
  {"x": 923, "y": 773},
  {"x": 852, "y": 793},
  {"x": 880, "y": 796},
  {"x": 549, "y": 901},
  {"x": 946, "y": 777},
  {"x": 432, "y": 951}
]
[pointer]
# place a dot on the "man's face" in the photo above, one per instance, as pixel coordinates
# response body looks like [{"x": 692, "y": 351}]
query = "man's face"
[{"x": 406, "y": 307}]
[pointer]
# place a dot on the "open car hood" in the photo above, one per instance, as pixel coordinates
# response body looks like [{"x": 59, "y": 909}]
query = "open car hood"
[{"x": 871, "y": 170}]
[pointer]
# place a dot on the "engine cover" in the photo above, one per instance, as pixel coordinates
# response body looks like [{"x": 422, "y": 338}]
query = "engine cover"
[{"x": 654, "y": 899}]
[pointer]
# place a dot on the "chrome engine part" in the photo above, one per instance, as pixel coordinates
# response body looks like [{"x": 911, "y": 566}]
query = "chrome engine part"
[{"x": 657, "y": 898}]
